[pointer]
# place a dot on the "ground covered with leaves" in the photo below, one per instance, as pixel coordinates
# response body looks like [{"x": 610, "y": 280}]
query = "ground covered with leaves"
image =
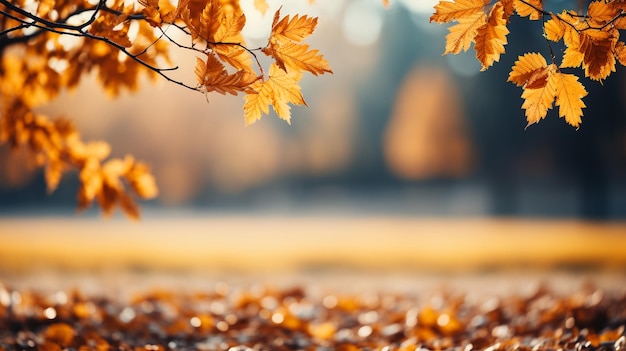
[{"x": 259, "y": 317}]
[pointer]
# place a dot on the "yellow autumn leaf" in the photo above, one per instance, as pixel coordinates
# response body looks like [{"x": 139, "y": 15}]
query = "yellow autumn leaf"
[
  {"x": 525, "y": 67},
  {"x": 447, "y": 11},
  {"x": 279, "y": 90},
  {"x": 554, "y": 29},
  {"x": 538, "y": 101},
  {"x": 529, "y": 8},
  {"x": 491, "y": 37},
  {"x": 462, "y": 35},
  {"x": 569, "y": 94},
  {"x": 296, "y": 28},
  {"x": 292, "y": 56},
  {"x": 284, "y": 46}
]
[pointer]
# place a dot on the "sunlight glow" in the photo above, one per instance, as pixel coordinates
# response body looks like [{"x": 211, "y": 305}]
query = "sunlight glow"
[{"x": 362, "y": 23}]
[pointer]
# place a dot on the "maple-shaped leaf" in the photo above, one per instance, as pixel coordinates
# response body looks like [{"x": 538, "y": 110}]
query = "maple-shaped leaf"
[
  {"x": 447, "y": 11},
  {"x": 279, "y": 90},
  {"x": 538, "y": 101},
  {"x": 491, "y": 37},
  {"x": 527, "y": 68},
  {"x": 284, "y": 45},
  {"x": 462, "y": 35},
  {"x": 529, "y": 8},
  {"x": 569, "y": 94},
  {"x": 212, "y": 76}
]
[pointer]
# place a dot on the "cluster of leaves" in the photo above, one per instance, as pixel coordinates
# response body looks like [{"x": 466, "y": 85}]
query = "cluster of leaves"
[
  {"x": 66, "y": 40},
  {"x": 591, "y": 39}
]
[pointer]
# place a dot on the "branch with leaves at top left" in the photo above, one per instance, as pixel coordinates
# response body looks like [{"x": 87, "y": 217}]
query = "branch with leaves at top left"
[{"x": 100, "y": 33}]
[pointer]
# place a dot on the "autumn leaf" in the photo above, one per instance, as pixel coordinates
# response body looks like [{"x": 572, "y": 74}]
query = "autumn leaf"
[
  {"x": 213, "y": 76},
  {"x": 620, "y": 52},
  {"x": 296, "y": 29},
  {"x": 447, "y": 11},
  {"x": 285, "y": 48},
  {"x": 491, "y": 37},
  {"x": 544, "y": 85},
  {"x": 529, "y": 8},
  {"x": 279, "y": 90},
  {"x": 527, "y": 66},
  {"x": 292, "y": 56},
  {"x": 569, "y": 94},
  {"x": 554, "y": 29},
  {"x": 538, "y": 101},
  {"x": 598, "y": 59},
  {"x": 462, "y": 35}
]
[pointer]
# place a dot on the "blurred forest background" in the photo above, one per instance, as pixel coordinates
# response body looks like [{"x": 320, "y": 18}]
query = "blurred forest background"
[{"x": 398, "y": 130}]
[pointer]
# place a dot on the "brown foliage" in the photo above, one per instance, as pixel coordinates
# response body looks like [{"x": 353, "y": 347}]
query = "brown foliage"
[{"x": 103, "y": 43}]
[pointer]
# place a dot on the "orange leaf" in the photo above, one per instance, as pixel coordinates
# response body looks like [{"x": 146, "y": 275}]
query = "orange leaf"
[
  {"x": 597, "y": 48},
  {"x": 525, "y": 67},
  {"x": 462, "y": 34},
  {"x": 284, "y": 48},
  {"x": 508, "y": 7},
  {"x": 213, "y": 76},
  {"x": 600, "y": 13},
  {"x": 554, "y": 29},
  {"x": 209, "y": 21},
  {"x": 491, "y": 37},
  {"x": 447, "y": 11},
  {"x": 296, "y": 29},
  {"x": 569, "y": 94},
  {"x": 292, "y": 56},
  {"x": 279, "y": 90},
  {"x": 620, "y": 52},
  {"x": 538, "y": 101},
  {"x": 530, "y": 8}
]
